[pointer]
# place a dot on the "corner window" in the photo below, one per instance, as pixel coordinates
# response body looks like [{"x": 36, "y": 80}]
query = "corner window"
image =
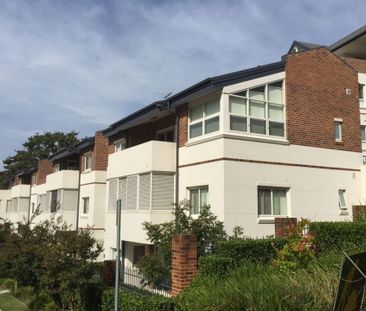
[
  {"x": 88, "y": 160},
  {"x": 204, "y": 118},
  {"x": 338, "y": 130},
  {"x": 120, "y": 145},
  {"x": 342, "y": 199},
  {"x": 363, "y": 137},
  {"x": 198, "y": 197},
  {"x": 86, "y": 205},
  {"x": 272, "y": 201},
  {"x": 361, "y": 89},
  {"x": 258, "y": 110}
]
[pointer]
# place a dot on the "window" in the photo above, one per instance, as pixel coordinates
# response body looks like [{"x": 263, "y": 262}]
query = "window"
[
  {"x": 342, "y": 199},
  {"x": 120, "y": 145},
  {"x": 272, "y": 201},
  {"x": 33, "y": 207},
  {"x": 258, "y": 110},
  {"x": 55, "y": 196},
  {"x": 361, "y": 88},
  {"x": 338, "y": 130},
  {"x": 198, "y": 197},
  {"x": 34, "y": 179},
  {"x": 166, "y": 134},
  {"x": 204, "y": 118},
  {"x": 138, "y": 253},
  {"x": 8, "y": 206},
  {"x": 363, "y": 137},
  {"x": 88, "y": 159},
  {"x": 72, "y": 165},
  {"x": 85, "y": 205},
  {"x": 56, "y": 167}
]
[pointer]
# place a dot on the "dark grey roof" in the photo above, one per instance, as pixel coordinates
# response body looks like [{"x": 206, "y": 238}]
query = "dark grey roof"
[
  {"x": 206, "y": 86},
  {"x": 304, "y": 46},
  {"x": 347, "y": 39},
  {"x": 26, "y": 171},
  {"x": 73, "y": 149}
]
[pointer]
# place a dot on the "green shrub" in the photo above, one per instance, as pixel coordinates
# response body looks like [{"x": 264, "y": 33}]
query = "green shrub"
[
  {"x": 90, "y": 296},
  {"x": 9, "y": 284},
  {"x": 25, "y": 294},
  {"x": 215, "y": 266},
  {"x": 337, "y": 235},
  {"x": 42, "y": 302},
  {"x": 136, "y": 301},
  {"x": 255, "y": 250}
]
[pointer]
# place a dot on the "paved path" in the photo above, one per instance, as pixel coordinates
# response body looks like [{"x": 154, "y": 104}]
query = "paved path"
[{"x": 5, "y": 291}]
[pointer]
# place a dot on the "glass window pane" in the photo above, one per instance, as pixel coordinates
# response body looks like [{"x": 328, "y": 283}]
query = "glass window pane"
[
  {"x": 204, "y": 196},
  {"x": 238, "y": 105},
  {"x": 242, "y": 93},
  {"x": 342, "y": 199},
  {"x": 258, "y": 126},
  {"x": 212, "y": 125},
  {"x": 196, "y": 113},
  {"x": 195, "y": 130},
  {"x": 363, "y": 133},
  {"x": 275, "y": 113},
  {"x": 276, "y": 129},
  {"x": 257, "y": 93},
  {"x": 337, "y": 131},
  {"x": 212, "y": 107},
  {"x": 275, "y": 92},
  {"x": 279, "y": 202},
  {"x": 361, "y": 88},
  {"x": 194, "y": 198},
  {"x": 264, "y": 202},
  {"x": 238, "y": 123},
  {"x": 257, "y": 109}
]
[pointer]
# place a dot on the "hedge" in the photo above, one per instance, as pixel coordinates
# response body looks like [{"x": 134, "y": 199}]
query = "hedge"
[
  {"x": 254, "y": 250},
  {"x": 330, "y": 236},
  {"x": 136, "y": 301},
  {"x": 215, "y": 266}
]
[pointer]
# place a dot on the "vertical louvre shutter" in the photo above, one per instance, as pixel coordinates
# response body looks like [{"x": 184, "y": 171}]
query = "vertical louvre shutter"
[
  {"x": 144, "y": 192},
  {"x": 69, "y": 200},
  {"x": 131, "y": 192},
  {"x": 162, "y": 191},
  {"x": 122, "y": 191},
  {"x": 112, "y": 198}
]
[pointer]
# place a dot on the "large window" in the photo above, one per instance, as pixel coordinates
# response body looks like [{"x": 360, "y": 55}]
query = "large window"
[
  {"x": 272, "y": 201},
  {"x": 204, "y": 118},
  {"x": 361, "y": 88},
  {"x": 198, "y": 196},
  {"x": 258, "y": 110}
]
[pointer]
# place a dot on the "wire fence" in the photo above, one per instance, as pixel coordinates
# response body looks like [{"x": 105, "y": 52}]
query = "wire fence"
[{"x": 133, "y": 277}]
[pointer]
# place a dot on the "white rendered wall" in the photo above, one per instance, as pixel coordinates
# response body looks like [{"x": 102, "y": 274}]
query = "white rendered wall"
[
  {"x": 4, "y": 196},
  {"x": 62, "y": 179}
]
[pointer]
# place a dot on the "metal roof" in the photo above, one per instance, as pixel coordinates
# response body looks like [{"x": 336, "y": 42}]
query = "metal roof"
[
  {"x": 347, "y": 39},
  {"x": 73, "y": 149}
]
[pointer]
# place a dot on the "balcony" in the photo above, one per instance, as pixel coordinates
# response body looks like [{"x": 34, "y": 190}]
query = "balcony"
[
  {"x": 150, "y": 156},
  {"x": 63, "y": 180},
  {"x": 20, "y": 191}
]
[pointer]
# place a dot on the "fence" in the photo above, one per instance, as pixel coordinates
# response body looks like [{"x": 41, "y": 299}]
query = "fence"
[{"x": 133, "y": 277}]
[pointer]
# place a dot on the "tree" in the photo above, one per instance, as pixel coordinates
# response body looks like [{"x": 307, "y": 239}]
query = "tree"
[
  {"x": 36, "y": 147},
  {"x": 208, "y": 229}
]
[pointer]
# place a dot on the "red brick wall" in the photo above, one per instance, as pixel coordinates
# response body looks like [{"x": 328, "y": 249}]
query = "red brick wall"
[
  {"x": 358, "y": 210},
  {"x": 184, "y": 261},
  {"x": 316, "y": 83},
  {"x": 283, "y": 225},
  {"x": 357, "y": 64},
  {"x": 45, "y": 167},
  {"x": 183, "y": 125},
  {"x": 100, "y": 152}
]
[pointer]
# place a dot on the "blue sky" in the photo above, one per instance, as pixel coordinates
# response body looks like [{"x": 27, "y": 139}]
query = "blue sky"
[{"x": 81, "y": 65}]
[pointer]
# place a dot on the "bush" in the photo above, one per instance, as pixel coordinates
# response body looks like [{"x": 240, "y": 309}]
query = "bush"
[
  {"x": 259, "y": 250},
  {"x": 9, "y": 284},
  {"x": 331, "y": 236},
  {"x": 215, "y": 266},
  {"x": 42, "y": 302},
  {"x": 136, "y": 301},
  {"x": 91, "y": 296}
]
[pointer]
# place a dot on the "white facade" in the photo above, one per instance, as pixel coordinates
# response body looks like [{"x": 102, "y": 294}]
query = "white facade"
[{"x": 5, "y": 197}]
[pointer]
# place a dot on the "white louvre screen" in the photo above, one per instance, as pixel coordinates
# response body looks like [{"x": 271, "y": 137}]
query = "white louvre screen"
[
  {"x": 132, "y": 192},
  {"x": 14, "y": 204},
  {"x": 112, "y": 197},
  {"x": 162, "y": 191},
  {"x": 144, "y": 192},
  {"x": 69, "y": 200},
  {"x": 23, "y": 204},
  {"x": 42, "y": 202},
  {"x": 122, "y": 191}
]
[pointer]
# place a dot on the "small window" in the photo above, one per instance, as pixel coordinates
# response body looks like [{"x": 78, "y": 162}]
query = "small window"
[
  {"x": 88, "y": 160},
  {"x": 86, "y": 205},
  {"x": 361, "y": 88},
  {"x": 120, "y": 145},
  {"x": 198, "y": 197},
  {"x": 338, "y": 130},
  {"x": 72, "y": 165},
  {"x": 342, "y": 199},
  {"x": 272, "y": 201},
  {"x": 33, "y": 208},
  {"x": 34, "y": 179},
  {"x": 363, "y": 137},
  {"x": 56, "y": 167},
  {"x": 166, "y": 135}
]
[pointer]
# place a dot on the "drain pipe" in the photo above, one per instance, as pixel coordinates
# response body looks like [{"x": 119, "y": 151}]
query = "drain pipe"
[
  {"x": 78, "y": 203},
  {"x": 177, "y": 158}
]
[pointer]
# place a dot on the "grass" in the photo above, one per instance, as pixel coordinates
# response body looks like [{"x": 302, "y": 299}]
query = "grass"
[{"x": 9, "y": 303}]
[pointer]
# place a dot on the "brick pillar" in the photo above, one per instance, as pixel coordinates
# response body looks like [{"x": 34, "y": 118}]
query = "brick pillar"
[
  {"x": 283, "y": 226},
  {"x": 184, "y": 261},
  {"x": 183, "y": 125},
  {"x": 45, "y": 168},
  {"x": 109, "y": 272},
  {"x": 100, "y": 152},
  {"x": 358, "y": 210}
]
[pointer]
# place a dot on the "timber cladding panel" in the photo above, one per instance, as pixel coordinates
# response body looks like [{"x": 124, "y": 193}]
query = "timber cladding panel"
[{"x": 316, "y": 84}]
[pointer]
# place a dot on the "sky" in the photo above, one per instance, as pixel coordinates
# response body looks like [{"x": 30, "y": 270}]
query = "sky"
[{"x": 83, "y": 64}]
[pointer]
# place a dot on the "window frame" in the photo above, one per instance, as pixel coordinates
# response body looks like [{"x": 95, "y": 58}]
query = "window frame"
[
  {"x": 361, "y": 95},
  {"x": 363, "y": 142},
  {"x": 204, "y": 118},
  {"x": 338, "y": 122},
  {"x": 88, "y": 157},
  {"x": 86, "y": 199},
  {"x": 120, "y": 142},
  {"x": 164, "y": 132},
  {"x": 272, "y": 189},
  {"x": 56, "y": 167},
  {"x": 199, "y": 189},
  {"x": 340, "y": 206},
  {"x": 266, "y": 118}
]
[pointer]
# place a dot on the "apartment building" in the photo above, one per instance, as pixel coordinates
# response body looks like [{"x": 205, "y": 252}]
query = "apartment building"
[{"x": 279, "y": 140}]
